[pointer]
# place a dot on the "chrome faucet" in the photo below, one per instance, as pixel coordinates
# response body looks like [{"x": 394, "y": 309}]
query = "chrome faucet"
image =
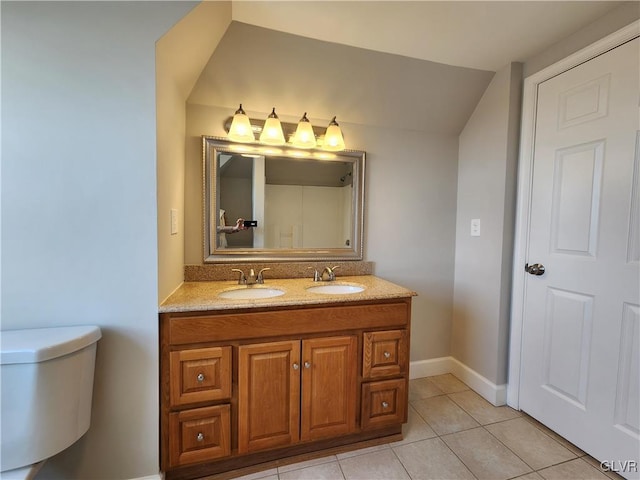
[
  {"x": 328, "y": 274},
  {"x": 316, "y": 274},
  {"x": 242, "y": 280},
  {"x": 252, "y": 278},
  {"x": 260, "y": 278}
]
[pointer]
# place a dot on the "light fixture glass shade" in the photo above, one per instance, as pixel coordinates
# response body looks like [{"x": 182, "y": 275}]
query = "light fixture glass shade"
[
  {"x": 240, "y": 129},
  {"x": 272, "y": 131},
  {"x": 333, "y": 139},
  {"x": 304, "y": 137}
]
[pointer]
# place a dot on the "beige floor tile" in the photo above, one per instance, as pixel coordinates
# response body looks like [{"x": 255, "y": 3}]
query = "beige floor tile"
[
  {"x": 362, "y": 451},
  {"x": 533, "y": 446},
  {"x": 529, "y": 476},
  {"x": 561, "y": 440},
  {"x": 596, "y": 464},
  {"x": 448, "y": 383},
  {"x": 325, "y": 471},
  {"x": 307, "y": 463},
  {"x": 423, "y": 388},
  {"x": 271, "y": 474},
  {"x": 431, "y": 459},
  {"x": 480, "y": 409},
  {"x": 485, "y": 456},
  {"x": 415, "y": 429},
  {"x": 382, "y": 465},
  {"x": 443, "y": 415},
  {"x": 576, "y": 469}
]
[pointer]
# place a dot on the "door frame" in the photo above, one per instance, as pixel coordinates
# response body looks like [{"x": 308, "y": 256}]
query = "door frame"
[{"x": 525, "y": 178}]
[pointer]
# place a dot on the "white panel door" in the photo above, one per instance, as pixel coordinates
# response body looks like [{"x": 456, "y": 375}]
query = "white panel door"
[{"x": 580, "y": 353}]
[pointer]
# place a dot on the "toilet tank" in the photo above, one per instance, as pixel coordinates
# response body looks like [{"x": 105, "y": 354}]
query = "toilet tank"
[{"x": 46, "y": 390}]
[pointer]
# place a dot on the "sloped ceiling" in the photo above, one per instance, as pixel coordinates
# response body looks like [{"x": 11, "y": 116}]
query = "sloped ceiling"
[
  {"x": 474, "y": 34},
  {"x": 263, "y": 68},
  {"x": 419, "y": 65}
]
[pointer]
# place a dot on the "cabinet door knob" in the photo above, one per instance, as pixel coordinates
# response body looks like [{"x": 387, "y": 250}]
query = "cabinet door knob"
[
  {"x": 200, "y": 437},
  {"x": 387, "y": 354},
  {"x": 385, "y": 404},
  {"x": 200, "y": 377},
  {"x": 307, "y": 365},
  {"x": 295, "y": 366}
]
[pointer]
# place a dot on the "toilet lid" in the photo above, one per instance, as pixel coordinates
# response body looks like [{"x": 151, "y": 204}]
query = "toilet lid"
[{"x": 39, "y": 344}]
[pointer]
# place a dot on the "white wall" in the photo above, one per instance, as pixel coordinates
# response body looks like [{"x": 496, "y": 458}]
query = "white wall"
[
  {"x": 79, "y": 206},
  {"x": 616, "y": 19},
  {"x": 180, "y": 55},
  {"x": 486, "y": 191}
]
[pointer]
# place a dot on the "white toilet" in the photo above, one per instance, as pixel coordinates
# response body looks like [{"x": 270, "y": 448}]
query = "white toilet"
[{"x": 46, "y": 386}]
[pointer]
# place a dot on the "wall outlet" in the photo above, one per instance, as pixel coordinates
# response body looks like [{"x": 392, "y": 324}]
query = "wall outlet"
[
  {"x": 475, "y": 227},
  {"x": 174, "y": 221}
]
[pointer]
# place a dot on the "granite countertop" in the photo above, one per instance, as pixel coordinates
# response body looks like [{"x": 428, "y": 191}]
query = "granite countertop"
[{"x": 200, "y": 296}]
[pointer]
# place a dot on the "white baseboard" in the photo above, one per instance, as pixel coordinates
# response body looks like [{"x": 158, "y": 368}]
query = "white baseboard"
[
  {"x": 429, "y": 368},
  {"x": 494, "y": 394}
]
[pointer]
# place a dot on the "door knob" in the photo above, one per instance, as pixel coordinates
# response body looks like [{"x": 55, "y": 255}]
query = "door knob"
[{"x": 535, "y": 269}]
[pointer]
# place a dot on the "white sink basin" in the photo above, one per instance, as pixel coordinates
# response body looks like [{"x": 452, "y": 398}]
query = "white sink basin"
[
  {"x": 246, "y": 293},
  {"x": 335, "y": 288}
]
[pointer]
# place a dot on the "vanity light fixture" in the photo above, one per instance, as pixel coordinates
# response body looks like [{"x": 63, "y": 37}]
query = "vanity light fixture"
[
  {"x": 304, "y": 136},
  {"x": 272, "y": 131},
  {"x": 333, "y": 139},
  {"x": 240, "y": 130}
]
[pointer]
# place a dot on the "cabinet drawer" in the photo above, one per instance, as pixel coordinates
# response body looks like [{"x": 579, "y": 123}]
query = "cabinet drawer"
[
  {"x": 200, "y": 375},
  {"x": 384, "y": 354},
  {"x": 384, "y": 403},
  {"x": 199, "y": 434}
]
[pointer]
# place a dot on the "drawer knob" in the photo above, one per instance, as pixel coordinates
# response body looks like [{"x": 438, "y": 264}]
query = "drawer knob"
[
  {"x": 307, "y": 364},
  {"x": 385, "y": 404},
  {"x": 296, "y": 366},
  {"x": 200, "y": 437},
  {"x": 200, "y": 377},
  {"x": 387, "y": 354}
]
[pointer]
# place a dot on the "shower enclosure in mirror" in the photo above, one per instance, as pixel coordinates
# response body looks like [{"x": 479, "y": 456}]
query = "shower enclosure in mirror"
[{"x": 307, "y": 204}]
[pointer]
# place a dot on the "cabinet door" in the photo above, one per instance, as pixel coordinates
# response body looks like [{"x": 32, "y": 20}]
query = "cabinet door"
[
  {"x": 384, "y": 403},
  {"x": 268, "y": 395},
  {"x": 385, "y": 354},
  {"x": 199, "y": 434},
  {"x": 200, "y": 375},
  {"x": 328, "y": 386}
]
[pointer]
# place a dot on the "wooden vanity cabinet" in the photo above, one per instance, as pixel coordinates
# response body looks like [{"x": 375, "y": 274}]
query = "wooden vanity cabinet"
[{"x": 252, "y": 386}]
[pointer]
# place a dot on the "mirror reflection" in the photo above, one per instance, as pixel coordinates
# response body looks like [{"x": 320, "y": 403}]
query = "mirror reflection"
[{"x": 276, "y": 204}]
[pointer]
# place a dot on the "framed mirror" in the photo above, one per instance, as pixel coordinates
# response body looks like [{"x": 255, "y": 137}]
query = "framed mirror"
[{"x": 304, "y": 205}]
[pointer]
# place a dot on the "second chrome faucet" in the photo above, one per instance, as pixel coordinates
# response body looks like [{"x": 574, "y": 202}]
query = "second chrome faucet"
[
  {"x": 327, "y": 275},
  {"x": 250, "y": 279}
]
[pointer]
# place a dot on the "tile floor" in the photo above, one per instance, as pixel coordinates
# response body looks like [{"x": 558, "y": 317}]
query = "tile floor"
[{"x": 453, "y": 433}]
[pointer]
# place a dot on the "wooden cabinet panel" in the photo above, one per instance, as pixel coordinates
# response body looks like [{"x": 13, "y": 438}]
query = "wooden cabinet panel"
[
  {"x": 199, "y": 434},
  {"x": 268, "y": 395},
  {"x": 186, "y": 329},
  {"x": 200, "y": 375},
  {"x": 384, "y": 403},
  {"x": 329, "y": 386},
  {"x": 385, "y": 354}
]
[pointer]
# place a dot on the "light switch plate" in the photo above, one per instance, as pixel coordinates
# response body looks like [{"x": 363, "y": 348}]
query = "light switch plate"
[
  {"x": 475, "y": 227},
  {"x": 174, "y": 221}
]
